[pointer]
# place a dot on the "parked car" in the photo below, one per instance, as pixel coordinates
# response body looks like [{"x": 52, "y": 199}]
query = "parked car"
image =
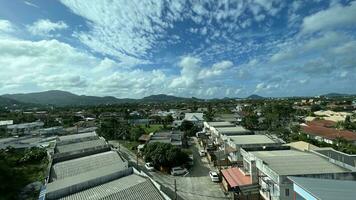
[
  {"x": 202, "y": 152},
  {"x": 149, "y": 166},
  {"x": 214, "y": 176},
  {"x": 175, "y": 171}
]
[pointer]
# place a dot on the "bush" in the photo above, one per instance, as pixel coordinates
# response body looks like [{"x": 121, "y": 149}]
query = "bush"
[{"x": 164, "y": 155}]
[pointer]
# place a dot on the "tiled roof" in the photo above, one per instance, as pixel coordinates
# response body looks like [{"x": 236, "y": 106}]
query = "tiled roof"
[
  {"x": 235, "y": 177},
  {"x": 315, "y": 128}
]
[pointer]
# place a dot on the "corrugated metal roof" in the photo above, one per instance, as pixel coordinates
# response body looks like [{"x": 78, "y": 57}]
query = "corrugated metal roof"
[
  {"x": 77, "y": 136},
  {"x": 290, "y": 162},
  {"x": 235, "y": 177},
  {"x": 232, "y": 130},
  {"x": 251, "y": 139},
  {"x": 221, "y": 124},
  {"x": 87, "y": 163},
  {"x": 80, "y": 145},
  {"x": 131, "y": 187},
  {"x": 326, "y": 189}
]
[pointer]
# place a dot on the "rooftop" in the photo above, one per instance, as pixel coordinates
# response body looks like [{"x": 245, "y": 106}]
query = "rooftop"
[
  {"x": 80, "y": 146},
  {"x": 126, "y": 188},
  {"x": 326, "y": 189},
  {"x": 292, "y": 162},
  {"x": 251, "y": 139},
  {"x": 221, "y": 124},
  {"x": 77, "y": 136},
  {"x": 194, "y": 116},
  {"x": 235, "y": 177},
  {"x": 317, "y": 129},
  {"x": 233, "y": 130},
  {"x": 87, "y": 163}
]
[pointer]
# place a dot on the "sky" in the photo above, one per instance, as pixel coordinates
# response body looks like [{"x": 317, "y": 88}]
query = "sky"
[{"x": 205, "y": 49}]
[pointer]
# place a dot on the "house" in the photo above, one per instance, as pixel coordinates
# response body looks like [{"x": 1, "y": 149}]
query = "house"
[
  {"x": 321, "y": 130},
  {"x": 196, "y": 118},
  {"x": 211, "y": 126},
  {"x": 239, "y": 184},
  {"x": 98, "y": 174},
  {"x": 24, "y": 128},
  {"x": 170, "y": 137},
  {"x": 322, "y": 189},
  {"x": 228, "y": 131},
  {"x": 274, "y": 167},
  {"x": 238, "y": 142}
]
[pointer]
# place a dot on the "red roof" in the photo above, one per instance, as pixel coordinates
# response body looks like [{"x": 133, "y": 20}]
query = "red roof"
[
  {"x": 322, "y": 122},
  {"x": 317, "y": 128},
  {"x": 235, "y": 177}
]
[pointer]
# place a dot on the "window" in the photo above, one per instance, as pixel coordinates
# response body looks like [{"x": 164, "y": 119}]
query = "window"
[{"x": 287, "y": 192}]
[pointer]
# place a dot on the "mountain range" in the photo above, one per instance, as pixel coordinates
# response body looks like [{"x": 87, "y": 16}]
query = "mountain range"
[{"x": 63, "y": 98}]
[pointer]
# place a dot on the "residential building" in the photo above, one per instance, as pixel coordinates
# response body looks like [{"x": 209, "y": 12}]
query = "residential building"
[
  {"x": 322, "y": 130},
  {"x": 322, "y": 189},
  {"x": 273, "y": 168},
  {"x": 196, "y": 118},
  {"x": 24, "y": 128},
  {"x": 211, "y": 126},
  {"x": 237, "y": 142},
  {"x": 170, "y": 137}
]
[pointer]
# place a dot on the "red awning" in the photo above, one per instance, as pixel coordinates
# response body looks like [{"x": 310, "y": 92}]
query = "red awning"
[{"x": 235, "y": 177}]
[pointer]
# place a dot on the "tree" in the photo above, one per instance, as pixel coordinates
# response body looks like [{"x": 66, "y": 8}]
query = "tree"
[
  {"x": 136, "y": 133},
  {"x": 164, "y": 155}
]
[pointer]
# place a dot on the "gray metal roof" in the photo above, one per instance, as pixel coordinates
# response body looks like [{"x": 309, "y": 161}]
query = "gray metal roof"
[
  {"x": 232, "y": 130},
  {"x": 131, "y": 187},
  {"x": 84, "y": 178},
  {"x": 327, "y": 189},
  {"x": 80, "y": 146},
  {"x": 251, "y": 139},
  {"x": 77, "y": 136},
  {"x": 339, "y": 156},
  {"x": 87, "y": 163},
  {"x": 291, "y": 162},
  {"x": 221, "y": 124}
]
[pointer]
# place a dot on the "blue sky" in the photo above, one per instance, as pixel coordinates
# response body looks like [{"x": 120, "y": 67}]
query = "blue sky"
[{"x": 187, "y": 48}]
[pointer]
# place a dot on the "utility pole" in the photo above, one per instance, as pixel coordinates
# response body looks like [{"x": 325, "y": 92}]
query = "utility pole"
[
  {"x": 137, "y": 160},
  {"x": 175, "y": 189}
]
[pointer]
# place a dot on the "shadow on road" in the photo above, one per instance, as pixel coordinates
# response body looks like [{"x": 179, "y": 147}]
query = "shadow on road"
[{"x": 198, "y": 169}]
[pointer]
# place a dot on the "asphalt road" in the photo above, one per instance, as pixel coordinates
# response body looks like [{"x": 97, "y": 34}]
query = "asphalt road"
[{"x": 195, "y": 185}]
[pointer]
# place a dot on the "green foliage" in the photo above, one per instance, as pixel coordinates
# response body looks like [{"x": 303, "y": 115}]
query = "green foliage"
[
  {"x": 19, "y": 168},
  {"x": 164, "y": 155},
  {"x": 315, "y": 107},
  {"x": 136, "y": 133},
  {"x": 189, "y": 128}
]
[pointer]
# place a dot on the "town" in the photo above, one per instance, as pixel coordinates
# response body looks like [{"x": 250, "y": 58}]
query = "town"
[{"x": 252, "y": 148}]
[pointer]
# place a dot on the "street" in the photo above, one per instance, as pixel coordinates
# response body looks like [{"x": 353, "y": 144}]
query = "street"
[{"x": 195, "y": 185}]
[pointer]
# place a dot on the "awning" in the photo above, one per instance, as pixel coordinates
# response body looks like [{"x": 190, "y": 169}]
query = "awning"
[{"x": 235, "y": 177}]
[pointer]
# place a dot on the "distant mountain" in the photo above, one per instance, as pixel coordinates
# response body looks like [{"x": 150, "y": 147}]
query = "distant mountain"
[
  {"x": 335, "y": 95},
  {"x": 63, "y": 98},
  {"x": 255, "y": 97},
  {"x": 5, "y": 102},
  {"x": 166, "y": 98}
]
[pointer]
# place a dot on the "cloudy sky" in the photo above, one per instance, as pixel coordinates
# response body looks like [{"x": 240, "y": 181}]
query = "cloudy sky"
[{"x": 187, "y": 48}]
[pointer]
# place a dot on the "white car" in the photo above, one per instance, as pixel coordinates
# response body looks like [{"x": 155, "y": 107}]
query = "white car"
[
  {"x": 214, "y": 176},
  {"x": 175, "y": 171},
  {"x": 149, "y": 166},
  {"x": 202, "y": 152}
]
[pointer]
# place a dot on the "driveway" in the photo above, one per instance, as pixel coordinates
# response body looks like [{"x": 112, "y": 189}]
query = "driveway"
[{"x": 194, "y": 186}]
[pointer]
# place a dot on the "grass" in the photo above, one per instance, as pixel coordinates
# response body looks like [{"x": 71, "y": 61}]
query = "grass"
[
  {"x": 130, "y": 145},
  {"x": 152, "y": 128}
]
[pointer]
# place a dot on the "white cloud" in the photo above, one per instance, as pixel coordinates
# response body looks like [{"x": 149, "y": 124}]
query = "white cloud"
[
  {"x": 31, "y": 4},
  {"x": 334, "y": 17},
  {"x": 6, "y": 26},
  {"x": 45, "y": 27},
  {"x": 192, "y": 75}
]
